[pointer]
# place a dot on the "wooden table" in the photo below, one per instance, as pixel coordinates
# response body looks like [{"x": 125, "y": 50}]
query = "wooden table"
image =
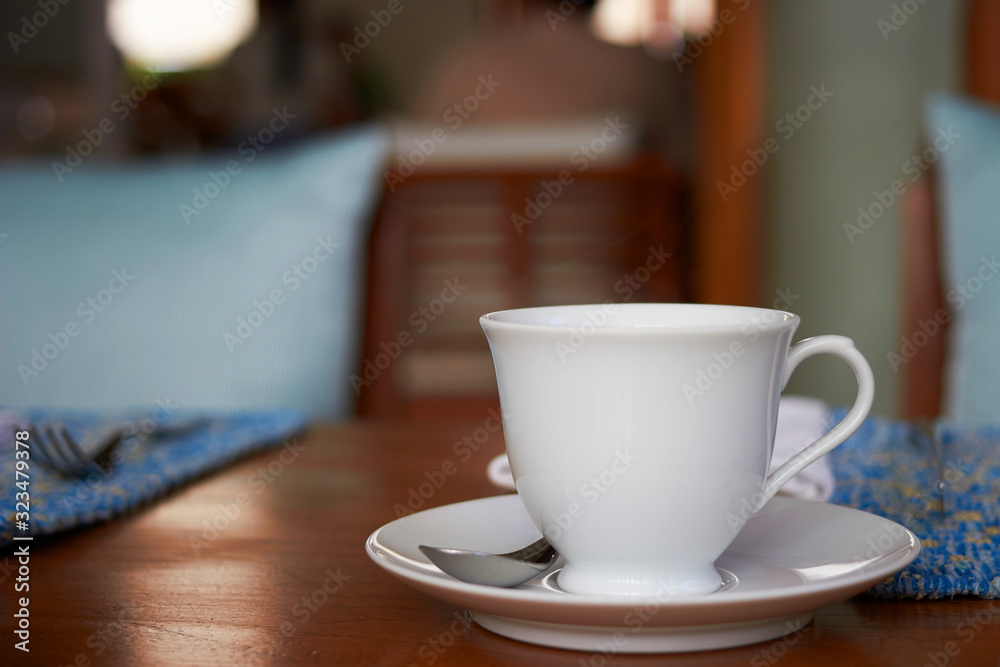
[{"x": 264, "y": 563}]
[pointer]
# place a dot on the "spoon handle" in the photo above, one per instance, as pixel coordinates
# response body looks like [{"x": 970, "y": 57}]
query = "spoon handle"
[{"x": 535, "y": 552}]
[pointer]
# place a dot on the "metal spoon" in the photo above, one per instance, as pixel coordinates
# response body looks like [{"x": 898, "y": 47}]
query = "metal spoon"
[{"x": 505, "y": 570}]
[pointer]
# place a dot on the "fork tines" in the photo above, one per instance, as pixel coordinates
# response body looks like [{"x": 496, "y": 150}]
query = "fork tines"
[{"x": 55, "y": 448}]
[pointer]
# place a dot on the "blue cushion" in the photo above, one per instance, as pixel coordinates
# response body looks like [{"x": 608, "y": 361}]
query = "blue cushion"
[
  {"x": 123, "y": 286},
  {"x": 970, "y": 206}
]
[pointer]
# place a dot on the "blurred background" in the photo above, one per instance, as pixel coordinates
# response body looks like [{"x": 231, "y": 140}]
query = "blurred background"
[{"x": 533, "y": 152}]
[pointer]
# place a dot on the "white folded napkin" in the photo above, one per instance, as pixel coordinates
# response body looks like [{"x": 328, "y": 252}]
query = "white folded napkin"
[{"x": 800, "y": 422}]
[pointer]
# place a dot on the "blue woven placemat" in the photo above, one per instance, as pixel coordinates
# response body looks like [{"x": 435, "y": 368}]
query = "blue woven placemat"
[
  {"x": 888, "y": 468},
  {"x": 148, "y": 468}
]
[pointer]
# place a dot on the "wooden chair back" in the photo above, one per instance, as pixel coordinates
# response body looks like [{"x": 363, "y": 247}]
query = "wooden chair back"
[
  {"x": 922, "y": 277},
  {"x": 450, "y": 245}
]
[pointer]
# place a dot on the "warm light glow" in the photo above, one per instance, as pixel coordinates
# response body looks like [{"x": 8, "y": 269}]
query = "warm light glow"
[
  {"x": 692, "y": 16},
  {"x": 630, "y": 22},
  {"x": 622, "y": 21},
  {"x": 173, "y": 35}
]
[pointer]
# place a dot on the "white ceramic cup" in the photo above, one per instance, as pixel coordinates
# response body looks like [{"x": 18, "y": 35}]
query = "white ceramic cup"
[{"x": 639, "y": 435}]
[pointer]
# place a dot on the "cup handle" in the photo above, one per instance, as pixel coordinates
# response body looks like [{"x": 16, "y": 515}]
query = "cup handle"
[{"x": 842, "y": 347}]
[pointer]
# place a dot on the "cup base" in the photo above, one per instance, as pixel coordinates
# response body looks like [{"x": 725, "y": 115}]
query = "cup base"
[{"x": 659, "y": 585}]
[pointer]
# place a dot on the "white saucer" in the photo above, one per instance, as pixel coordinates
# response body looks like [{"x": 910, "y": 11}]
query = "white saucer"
[{"x": 791, "y": 558}]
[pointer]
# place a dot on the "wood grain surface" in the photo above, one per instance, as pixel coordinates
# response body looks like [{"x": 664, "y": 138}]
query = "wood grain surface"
[{"x": 264, "y": 564}]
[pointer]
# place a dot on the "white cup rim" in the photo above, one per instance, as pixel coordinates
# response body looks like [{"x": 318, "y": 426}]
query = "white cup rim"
[{"x": 759, "y": 319}]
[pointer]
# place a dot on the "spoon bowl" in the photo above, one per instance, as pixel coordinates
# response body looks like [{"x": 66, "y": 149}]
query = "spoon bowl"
[{"x": 504, "y": 570}]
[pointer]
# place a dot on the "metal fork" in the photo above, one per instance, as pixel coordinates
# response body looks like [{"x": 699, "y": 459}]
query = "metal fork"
[
  {"x": 928, "y": 430},
  {"x": 56, "y": 449}
]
